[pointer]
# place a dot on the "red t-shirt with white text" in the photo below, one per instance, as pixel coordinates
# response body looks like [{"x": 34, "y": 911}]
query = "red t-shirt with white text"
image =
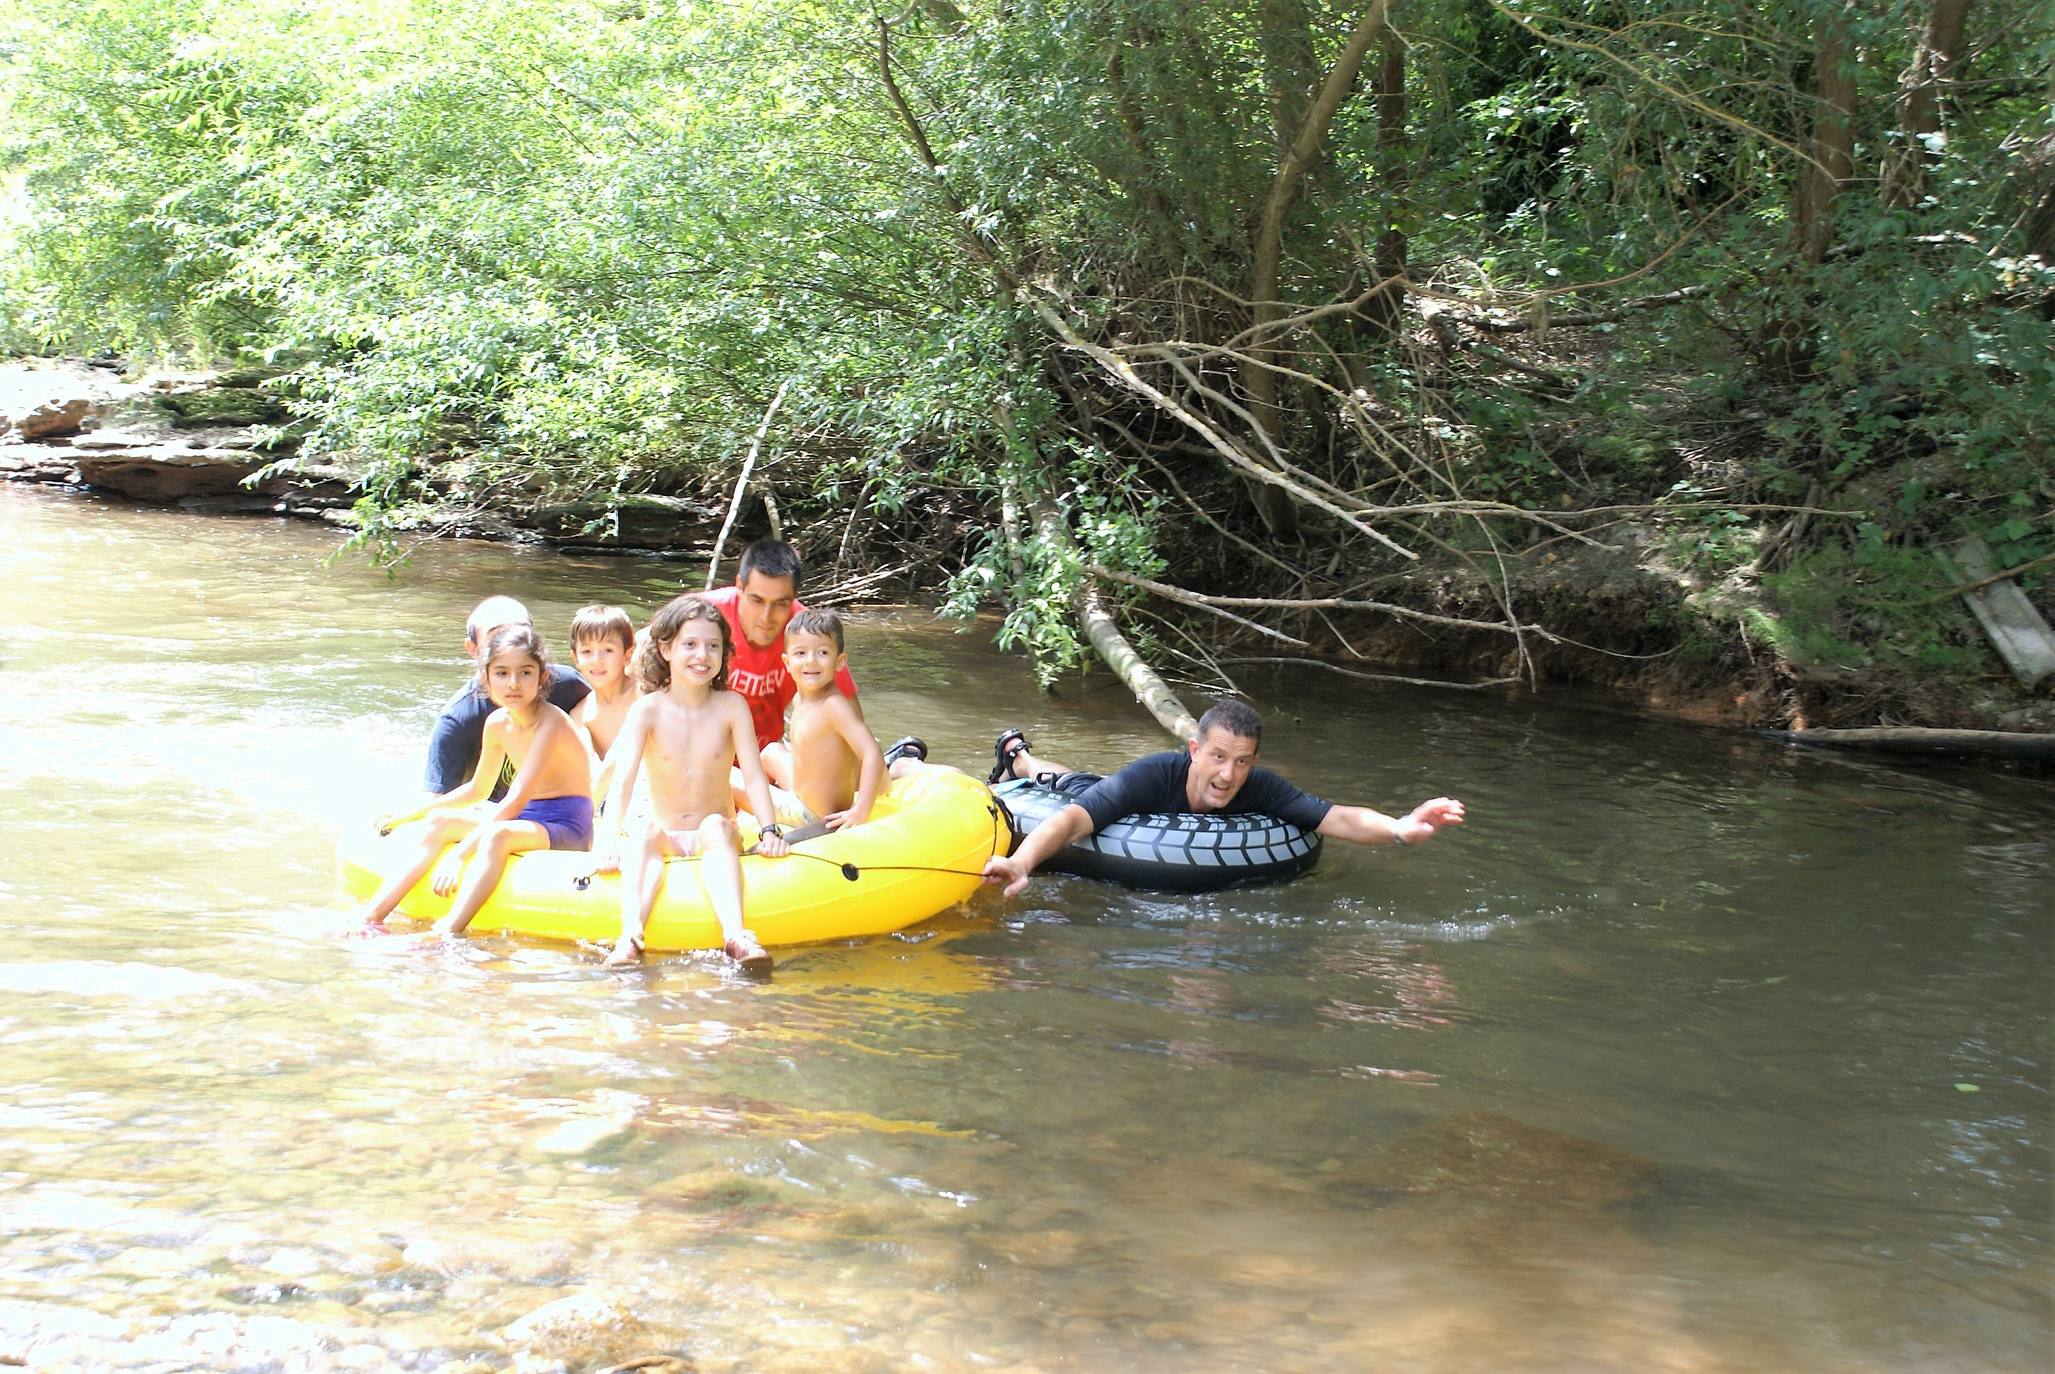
[{"x": 759, "y": 674}]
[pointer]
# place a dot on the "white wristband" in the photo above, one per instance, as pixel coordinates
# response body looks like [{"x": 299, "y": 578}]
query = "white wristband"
[{"x": 1398, "y": 835}]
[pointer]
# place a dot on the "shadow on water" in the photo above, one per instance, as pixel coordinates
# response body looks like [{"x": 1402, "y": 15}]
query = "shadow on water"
[{"x": 1689, "y": 1053}]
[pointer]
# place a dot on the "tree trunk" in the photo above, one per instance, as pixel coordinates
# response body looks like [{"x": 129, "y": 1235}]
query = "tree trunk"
[
  {"x": 1829, "y": 163},
  {"x": 1385, "y": 309},
  {"x": 1258, "y": 381},
  {"x": 1933, "y": 67},
  {"x": 1286, "y": 42},
  {"x": 2033, "y": 183},
  {"x": 1103, "y": 632},
  {"x": 1996, "y": 744},
  {"x": 1832, "y": 145}
]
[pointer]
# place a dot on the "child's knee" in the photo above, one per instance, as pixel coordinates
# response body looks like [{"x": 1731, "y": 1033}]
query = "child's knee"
[{"x": 442, "y": 830}]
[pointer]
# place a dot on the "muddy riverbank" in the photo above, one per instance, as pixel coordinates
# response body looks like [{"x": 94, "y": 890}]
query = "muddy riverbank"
[{"x": 1622, "y": 613}]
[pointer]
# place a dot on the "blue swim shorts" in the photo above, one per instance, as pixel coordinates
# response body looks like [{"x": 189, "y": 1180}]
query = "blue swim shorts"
[{"x": 567, "y": 819}]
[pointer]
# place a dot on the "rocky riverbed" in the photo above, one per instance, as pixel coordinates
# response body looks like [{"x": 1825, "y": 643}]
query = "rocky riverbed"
[
  {"x": 208, "y": 442},
  {"x": 221, "y": 442}
]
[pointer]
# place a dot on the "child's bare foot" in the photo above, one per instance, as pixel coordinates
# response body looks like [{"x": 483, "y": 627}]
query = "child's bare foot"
[
  {"x": 627, "y": 953},
  {"x": 746, "y": 950}
]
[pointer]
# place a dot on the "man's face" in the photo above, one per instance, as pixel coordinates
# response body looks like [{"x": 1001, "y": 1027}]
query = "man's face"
[
  {"x": 763, "y": 608},
  {"x": 1221, "y": 761}
]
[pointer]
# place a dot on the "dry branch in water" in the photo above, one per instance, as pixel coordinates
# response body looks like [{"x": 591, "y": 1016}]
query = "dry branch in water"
[{"x": 1320, "y": 603}]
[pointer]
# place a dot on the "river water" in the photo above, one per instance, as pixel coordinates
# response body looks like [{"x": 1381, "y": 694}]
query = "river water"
[{"x": 1688, "y": 1053}]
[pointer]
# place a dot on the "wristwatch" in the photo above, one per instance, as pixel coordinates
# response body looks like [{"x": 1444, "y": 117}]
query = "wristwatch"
[{"x": 773, "y": 829}]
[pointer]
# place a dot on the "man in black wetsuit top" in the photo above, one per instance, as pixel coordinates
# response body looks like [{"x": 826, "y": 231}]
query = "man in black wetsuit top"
[{"x": 1216, "y": 773}]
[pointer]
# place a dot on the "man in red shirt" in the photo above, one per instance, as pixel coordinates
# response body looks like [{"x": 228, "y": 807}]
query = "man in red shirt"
[{"x": 757, "y": 608}]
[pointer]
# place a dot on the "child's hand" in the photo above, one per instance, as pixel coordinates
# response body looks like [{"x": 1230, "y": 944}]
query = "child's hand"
[
  {"x": 772, "y": 846},
  {"x": 842, "y": 820},
  {"x": 448, "y": 873}
]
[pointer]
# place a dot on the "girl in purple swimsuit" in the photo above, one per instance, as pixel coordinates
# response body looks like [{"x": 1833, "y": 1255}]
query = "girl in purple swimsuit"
[{"x": 548, "y": 805}]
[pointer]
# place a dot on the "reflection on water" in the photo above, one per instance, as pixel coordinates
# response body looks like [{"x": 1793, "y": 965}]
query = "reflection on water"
[{"x": 1689, "y": 1054}]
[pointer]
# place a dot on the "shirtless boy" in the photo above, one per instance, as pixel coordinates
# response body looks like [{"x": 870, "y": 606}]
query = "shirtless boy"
[
  {"x": 837, "y": 768},
  {"x": 602, "y": 645},
  {"x": 687, "y": 726}
]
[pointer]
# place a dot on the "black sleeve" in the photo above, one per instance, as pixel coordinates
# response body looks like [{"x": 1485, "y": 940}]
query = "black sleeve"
[
  {"x": 1270, "y": 794},
  {"x": 1153, "y": 784},
  {"x": 567, "y": 687},
  {"x": 454, "y": 745}
]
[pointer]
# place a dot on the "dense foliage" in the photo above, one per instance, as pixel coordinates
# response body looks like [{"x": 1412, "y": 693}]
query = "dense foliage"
[{"x": 1287, "y": 296}]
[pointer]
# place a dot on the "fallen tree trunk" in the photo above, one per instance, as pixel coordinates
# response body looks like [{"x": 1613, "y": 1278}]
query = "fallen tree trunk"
[
  {"x": 1150, "y": 690},
  {"x": 1994, "y": 744},
  {"x": 1104, "y": 634}
]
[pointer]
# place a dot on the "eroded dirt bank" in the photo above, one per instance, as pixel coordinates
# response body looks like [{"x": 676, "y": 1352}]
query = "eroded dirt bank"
[{"x": 1620, "y": 614}]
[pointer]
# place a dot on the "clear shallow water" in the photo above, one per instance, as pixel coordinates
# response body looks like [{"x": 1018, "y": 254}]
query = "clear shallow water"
[{"x": 1662, "y": 1063}]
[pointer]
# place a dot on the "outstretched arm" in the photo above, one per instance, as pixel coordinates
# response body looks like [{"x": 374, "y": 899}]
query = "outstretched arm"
[
  {"x": 1067, "y": 826},
  {"x": 1361, "y": 825},
  {"x": 469, "y": 792}
]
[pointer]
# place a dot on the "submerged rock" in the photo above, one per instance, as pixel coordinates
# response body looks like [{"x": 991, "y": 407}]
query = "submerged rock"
[
  {"x": 479, "y": 1255},
  {"x": 582, "y": 1135},
  {"x": 584, "y": 1329},
  {"x": 36, "y": 1333},
  {"x": 1487, "y": 1155}
]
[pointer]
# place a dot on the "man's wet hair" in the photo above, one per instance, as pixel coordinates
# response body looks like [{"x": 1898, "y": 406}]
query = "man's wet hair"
[
  {"x": 1235, "y": 717},
  {"x": 602, "y": 622},
  {"x": 772, "y": 558},
  {"x": 824, "y": 623}
]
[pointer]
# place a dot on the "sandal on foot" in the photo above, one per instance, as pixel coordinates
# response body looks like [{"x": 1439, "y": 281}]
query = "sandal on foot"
[
  {"x": 626, "y": 954},
  {"x": 746, "y": 950},
  {"x": 912, "y": 747},
  {"x": 1009, "y": 746}
]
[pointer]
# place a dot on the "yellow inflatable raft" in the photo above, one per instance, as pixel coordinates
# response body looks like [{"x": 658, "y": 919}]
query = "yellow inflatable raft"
[{"x": 919, "y": 854}]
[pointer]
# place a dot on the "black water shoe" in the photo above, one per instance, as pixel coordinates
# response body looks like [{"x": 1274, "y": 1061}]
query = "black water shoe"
[
  {"x": 1010, "y": 745},
  {"x": 912, "y": 747}
]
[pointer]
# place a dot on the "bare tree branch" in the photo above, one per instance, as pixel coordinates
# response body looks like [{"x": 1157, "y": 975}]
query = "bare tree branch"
[{"x": 1336, "y": 603}]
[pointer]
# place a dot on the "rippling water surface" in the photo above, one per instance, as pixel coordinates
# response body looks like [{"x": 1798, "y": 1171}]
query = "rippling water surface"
[{"x": 1688, "y": 1053}]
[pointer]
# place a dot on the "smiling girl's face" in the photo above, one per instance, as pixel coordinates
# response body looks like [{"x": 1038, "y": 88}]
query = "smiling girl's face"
[{"x": 695, "y": 654}]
